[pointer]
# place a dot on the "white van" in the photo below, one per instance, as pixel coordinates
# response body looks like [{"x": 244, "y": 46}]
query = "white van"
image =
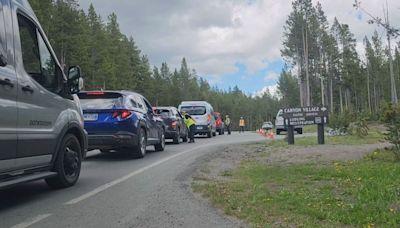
[
  {"x": 203, "y": 113},
  {"x": 280, "y": 125}
]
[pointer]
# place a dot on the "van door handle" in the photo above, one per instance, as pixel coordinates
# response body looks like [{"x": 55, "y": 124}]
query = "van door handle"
[
  {"x": 27, "y": 89},
  {"x": 6, "y": 82}
]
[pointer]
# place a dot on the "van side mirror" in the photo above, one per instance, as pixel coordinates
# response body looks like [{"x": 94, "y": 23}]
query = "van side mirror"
[
  {"x": 3, "y": 59},
  {"x": 75, "y": 81}
]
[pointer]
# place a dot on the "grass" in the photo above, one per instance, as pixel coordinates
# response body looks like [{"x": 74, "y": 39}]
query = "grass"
[
  {"x": 371, "y": 138},
  {"x": 363, "y": 193}
]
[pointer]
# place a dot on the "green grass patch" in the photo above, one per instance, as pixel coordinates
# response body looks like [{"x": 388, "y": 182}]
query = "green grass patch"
[
  {"x": 310, "y": 128},
  {"x": 371, "y": 138},
  {"x": 355, "y": 193}
]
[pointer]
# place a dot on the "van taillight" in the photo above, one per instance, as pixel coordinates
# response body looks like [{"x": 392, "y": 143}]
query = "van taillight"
[
  {"x": 209, "y": 118},
  {"x": 124, "y": 114}
]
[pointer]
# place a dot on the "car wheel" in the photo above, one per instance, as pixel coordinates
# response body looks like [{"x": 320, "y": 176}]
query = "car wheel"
[
  {"x": 161, "y": 146},
  {"x": 139, "y": 151},
  {"x": 278, "y": 132},
  {"x": 67, "y": 164},
  {"x": 214, "y": 133},
  {"x": 300, "y": 131},
  {"x": 177, "y": 138}
]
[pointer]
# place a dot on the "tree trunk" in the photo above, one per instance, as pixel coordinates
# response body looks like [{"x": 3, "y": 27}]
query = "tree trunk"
[{"x": 368, "y": 89}]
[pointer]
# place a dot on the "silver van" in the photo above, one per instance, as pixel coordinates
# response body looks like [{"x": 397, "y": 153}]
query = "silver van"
[
  {"x": 203, "y": 113},
  {"x": 41, "y": 123}
]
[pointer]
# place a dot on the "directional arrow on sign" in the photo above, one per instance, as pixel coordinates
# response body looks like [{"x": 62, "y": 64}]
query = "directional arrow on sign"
[{"x": 324, "y": 109}]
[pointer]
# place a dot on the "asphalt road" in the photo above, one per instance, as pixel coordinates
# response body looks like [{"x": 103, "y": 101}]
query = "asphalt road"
[{"x": 115, "y": 191}]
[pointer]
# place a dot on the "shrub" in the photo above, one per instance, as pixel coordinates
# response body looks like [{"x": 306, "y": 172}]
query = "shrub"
[
  {"x": 360, "y": 127},
  {"x": 392, "y": 120},
  {"x": 340, "y": 122}
]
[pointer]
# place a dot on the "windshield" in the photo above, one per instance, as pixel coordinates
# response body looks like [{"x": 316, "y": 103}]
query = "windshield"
[
  {"x": 194, "y": 110},
  {"x": 102, "y": 103},
  {"x": 165, "y": 113}
]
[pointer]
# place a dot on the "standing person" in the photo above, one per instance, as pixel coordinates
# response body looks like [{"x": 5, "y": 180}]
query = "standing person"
[
  {"x": 228, "y": 124},
  {"x": 191, "y": 125},
  {"x": 241, "y": 125}
]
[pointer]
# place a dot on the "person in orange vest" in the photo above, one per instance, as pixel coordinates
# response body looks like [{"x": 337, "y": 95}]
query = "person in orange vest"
[{"x": 241, "y": 125}]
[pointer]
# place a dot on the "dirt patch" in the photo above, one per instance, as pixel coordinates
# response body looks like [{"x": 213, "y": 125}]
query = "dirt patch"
[{"x": 219, "y": 165}]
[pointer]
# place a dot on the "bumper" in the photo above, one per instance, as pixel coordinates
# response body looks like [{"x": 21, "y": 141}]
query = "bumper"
[
  {"x": 202, "y": 129},
  {"x": 170, "y": 134},
  {"x": 282, "y": 128},
  {"x": 113, "y": 141}
]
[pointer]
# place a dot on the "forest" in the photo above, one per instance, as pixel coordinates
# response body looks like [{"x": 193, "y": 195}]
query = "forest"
[
  {"x": 322, "y": 65},
  {"x": 325, "y": 68}
]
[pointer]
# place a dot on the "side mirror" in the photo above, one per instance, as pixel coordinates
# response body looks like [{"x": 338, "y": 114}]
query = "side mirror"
[
  {"x": 3, "y": 59},
  {"x": 75, "y": 81}
]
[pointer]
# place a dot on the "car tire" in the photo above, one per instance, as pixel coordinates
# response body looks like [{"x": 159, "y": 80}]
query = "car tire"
[
  {"x": 161, "y": 146},
  {"x": 300, "y": 131},
  {"x": 67, "y": 164},
  {"x": 139, "y": 151},
  {"x": 177, "y": 137},
  {"x": 214, "y": 133},
  {"x": 278, "y": 132}
]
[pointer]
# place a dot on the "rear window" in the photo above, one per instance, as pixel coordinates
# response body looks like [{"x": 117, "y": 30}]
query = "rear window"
[
  {"x": 163, "y": 112},
  {"x": 101, "y": 100},
  {"x": 194, "y": 110}
]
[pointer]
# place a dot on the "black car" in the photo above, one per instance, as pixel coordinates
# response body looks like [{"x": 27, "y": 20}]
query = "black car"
[{"x": 175, "y": 125}]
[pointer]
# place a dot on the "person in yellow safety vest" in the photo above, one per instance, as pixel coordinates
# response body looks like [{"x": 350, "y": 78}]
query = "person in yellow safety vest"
[
  {"x": 191, "y": 125},
  {"x": 228, "y": 124},
  {"x": 241, "y": 125}
]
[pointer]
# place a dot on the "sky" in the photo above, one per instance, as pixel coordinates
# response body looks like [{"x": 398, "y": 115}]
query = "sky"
[{"x": 227, "y": 42}]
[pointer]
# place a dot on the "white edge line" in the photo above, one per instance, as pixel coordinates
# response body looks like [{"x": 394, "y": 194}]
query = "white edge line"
[
  {"x": 126, "y": 177},
  {"x": 31, "y": 221}
]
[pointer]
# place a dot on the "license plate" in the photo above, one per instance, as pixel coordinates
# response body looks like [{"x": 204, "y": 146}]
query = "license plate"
[
  {"x": 199, "y": 128},
  {"x": 90, "y": 117}
]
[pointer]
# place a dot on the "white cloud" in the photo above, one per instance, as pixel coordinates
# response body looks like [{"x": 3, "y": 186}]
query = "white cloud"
[
  {"x": 214, "y": 35},
  {"x": 271, "y": 76},
  {"x": 272, "y": 89}
]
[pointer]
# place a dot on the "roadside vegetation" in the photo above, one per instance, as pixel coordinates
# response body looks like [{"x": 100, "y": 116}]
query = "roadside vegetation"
[
  {"x": 309, "y": 192},
  {"x": 361, "y": 193}
]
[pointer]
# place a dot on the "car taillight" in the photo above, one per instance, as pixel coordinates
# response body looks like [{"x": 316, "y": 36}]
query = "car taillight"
[
  {"x": 124, "y": 114},
  {"x": 173, "y": 124},
  {"x": 209, "y": 118}
]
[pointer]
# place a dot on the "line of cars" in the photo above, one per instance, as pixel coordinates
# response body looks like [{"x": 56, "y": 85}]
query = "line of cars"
[{"x": 47, "y": 125}]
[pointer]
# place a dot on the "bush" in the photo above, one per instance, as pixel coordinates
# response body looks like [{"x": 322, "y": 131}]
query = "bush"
[
  {"x": 392, "y": 120},
  {"x": 340, "y": 122},
  {"x": 360, "y": 127}
]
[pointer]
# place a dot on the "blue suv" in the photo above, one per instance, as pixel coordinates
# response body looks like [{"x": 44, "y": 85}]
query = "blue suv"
[{"x": 122, "y": 121}]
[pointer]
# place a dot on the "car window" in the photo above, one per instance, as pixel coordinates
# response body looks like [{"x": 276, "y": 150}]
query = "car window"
[
  {"x": 37, "y": 59},
  {"x": 3, "y": 44},
  {"x": 140, "y": 103},
  {"x": 163, "y": 112},
  {"x": 133, "y": 103},
  {"x": 194, "y": 110},
  {"x": 147, "y": 104}
]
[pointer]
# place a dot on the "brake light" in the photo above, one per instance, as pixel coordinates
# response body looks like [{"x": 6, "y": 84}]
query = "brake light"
[
  {"x": 124, "y": 114},
  {"x": 209, "y": 118},
  {"x": 95, "y": 93},
  {"x": 173, "y": 124}
]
